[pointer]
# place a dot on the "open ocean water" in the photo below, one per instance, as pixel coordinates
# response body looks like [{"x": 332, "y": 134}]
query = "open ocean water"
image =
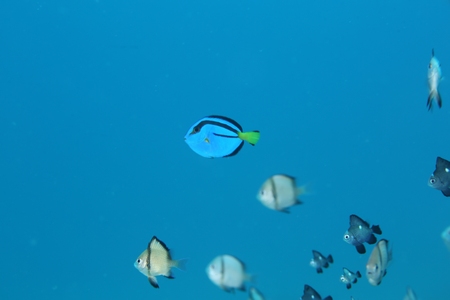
[{"x": 96, "y": 97}]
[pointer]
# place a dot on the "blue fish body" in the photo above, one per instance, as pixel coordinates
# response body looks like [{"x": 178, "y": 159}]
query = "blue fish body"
[{"x": 218, "y": 136}]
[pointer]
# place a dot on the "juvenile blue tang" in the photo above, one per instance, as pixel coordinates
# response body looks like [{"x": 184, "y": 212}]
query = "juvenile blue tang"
[{"x": 218, "y": 136}]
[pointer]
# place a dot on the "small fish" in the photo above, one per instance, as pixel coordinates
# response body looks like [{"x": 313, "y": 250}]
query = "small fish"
[
  {"x": 359, "y": 233},
  {"x": 254, "y": 294},
  {"x": 228, "y": 272},
  {"x": 440, "y": 179},
  {"x": 218, "y": 136},
  {"x": 434, "y": 78},
  {"x": 280, "y": 192},
  {"x": 348, "y": 277},
  {"x": 319, "y": 261},
  {"x": 446, "y": 237},
  {"x": 378, "y": 262},
  {"x": 310, "y": 294},
  {"x": 410, "y": 295},
  {"x": 156, "y": 260}
]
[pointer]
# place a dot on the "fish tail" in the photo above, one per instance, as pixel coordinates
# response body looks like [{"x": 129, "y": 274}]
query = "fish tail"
[
  {"x": 376, "y": 229},
  {"x": 434, "y": 94},
  {"x": 180, "y": 264},
  {"x": 304, "y": 189},
  {"x": 252, "y": 136},
  {"x": 430, "y": 100}
]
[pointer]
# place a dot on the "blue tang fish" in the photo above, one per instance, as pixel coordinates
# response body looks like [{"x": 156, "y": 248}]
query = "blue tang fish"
[{"x": 218, "y": 136}]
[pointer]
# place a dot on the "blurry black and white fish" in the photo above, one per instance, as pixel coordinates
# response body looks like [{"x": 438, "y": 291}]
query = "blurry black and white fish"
[
  {"x": 348, "y": 277},
  {"x": 378, "y": 262},
  {"x": 156, "y": 260},
  {"x": 310, "y": 294},
  {"x": 320, "y": 262},
  {"x": 254, "y": 294},
  {"x": 280, "y": 192},
  {"x": 440, "y": 179},
  {"x": 359, "y": 233},
  {"x": 446, "y": 237},
  {"x": 434, "y": 78},
  {"x": 410, "y": 295},
  {"x": 228, "y": 273}
]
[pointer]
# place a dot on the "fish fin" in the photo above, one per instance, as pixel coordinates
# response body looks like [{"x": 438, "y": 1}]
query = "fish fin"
[
  {"x": 319, "y": 270},
  {"x": 355, "y": 280},
  {"x": 326, "y": 265},
  {"x": 361, "y": 249},
  {"x": 430, "y": 101},
  {"x": 328, "y": 298},
  {"x": 376, "y": 229},
  {"x": 251, "y": 136},
  {"x": 301, "y": 190},
  {"x": 372, "y": 240},
  {"x": 349, "y": 286},
  {"x": 385, "y": 272},
  {"x": 180, "y": 263},
  {"x": 235, "y": 150},
  {"x": 439, "y": 99},
  {"x": 285, "y": 210},
  {"x": 446, "y": 192},
  {"x": 330, "y": 259},
  {"x": 153, "y": 281},
  {"x": 358, "y": 274},
  {"x": 170, "y": 276}
]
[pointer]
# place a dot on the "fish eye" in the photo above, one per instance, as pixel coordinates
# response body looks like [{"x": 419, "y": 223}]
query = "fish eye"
[
  {"x": 346, "y": 236},
  {"x": 139, "y": 261},
  {"x": 194, "y": 130},
  {"x": 432, "y": 181},
  {"x": 342, "y": 278}
]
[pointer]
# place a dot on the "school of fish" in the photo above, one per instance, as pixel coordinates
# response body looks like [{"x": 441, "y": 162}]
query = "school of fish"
[{"x": 218, "y": 136}]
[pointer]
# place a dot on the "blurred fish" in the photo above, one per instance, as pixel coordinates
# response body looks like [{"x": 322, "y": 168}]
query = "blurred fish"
[
  {"x": 446, "y": 237},
  {"x": 319, "y": 261},
  {"x": 254, "y": 294},
  {"x": 156, "y": 260},
  {"x": 228, "y": 272},
  {"x": 410, "y": 295},
  {"x": 378, "y": 262},
  {"x": 359, "y": 233},
  {"x": 310, "y": 294},
  {"x": 218, "y": 136},
  {"x": 280, "y": 192},
  {"x": 440, "y": 179},
  {"x": 348, "y": 277},
  {"x": 434, "y": 78}
]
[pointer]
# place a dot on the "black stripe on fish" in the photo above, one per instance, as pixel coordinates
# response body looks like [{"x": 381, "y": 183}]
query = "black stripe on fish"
[
  {"x": 236, "y": 150},
  {"x": 200, "y": 125},
  {"x": 228, "y": 120}
]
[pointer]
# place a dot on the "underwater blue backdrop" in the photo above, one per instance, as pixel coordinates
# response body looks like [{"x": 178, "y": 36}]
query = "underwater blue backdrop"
[{"x": 96, "y": 97}]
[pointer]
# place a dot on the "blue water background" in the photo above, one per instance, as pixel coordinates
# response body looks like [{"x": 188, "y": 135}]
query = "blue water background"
[{"x": 96, "y": 97}]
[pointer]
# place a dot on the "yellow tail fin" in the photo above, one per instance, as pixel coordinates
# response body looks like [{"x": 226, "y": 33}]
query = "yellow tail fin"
[{"x": 252, "y": 136}]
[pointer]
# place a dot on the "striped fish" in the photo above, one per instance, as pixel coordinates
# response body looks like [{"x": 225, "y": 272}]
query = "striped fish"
[{"x": 218, "y": 136}]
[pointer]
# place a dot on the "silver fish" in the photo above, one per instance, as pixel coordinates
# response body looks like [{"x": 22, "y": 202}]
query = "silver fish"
[
  {"x": 310, "y": 294},
  {"x": 228, "y": 272},
  {"x": 254, "y": 294},
  {"x": 359, "y": 233},
  {"x": 440, "y": 179},
  {"x": 156, "y": 260},
  {"x": 319, "y": 261},
  {"x": 434, "y": 78},
  {"x": 348, "y": 277},
  {"x": 378, "y": 262},
  {"x": 410, "y": 295},
  {"x": 280, "y": 192},
  {"x": 446, "y": 237}
]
